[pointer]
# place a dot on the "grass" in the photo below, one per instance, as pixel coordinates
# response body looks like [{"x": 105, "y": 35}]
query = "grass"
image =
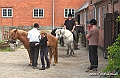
[{"x": 7, "y": 49}]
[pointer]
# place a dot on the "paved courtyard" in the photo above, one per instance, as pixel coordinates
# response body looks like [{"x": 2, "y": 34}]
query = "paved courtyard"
[{"x": 15, "y": 65}]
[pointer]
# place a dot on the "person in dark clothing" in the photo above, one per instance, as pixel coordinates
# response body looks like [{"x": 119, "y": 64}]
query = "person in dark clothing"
[
  {"x": 69, "y": 24},
  {"x": 44, "y": 50}
]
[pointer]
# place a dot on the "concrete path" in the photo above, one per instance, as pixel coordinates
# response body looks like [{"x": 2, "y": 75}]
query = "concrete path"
[{"x": 15, "y": 65}]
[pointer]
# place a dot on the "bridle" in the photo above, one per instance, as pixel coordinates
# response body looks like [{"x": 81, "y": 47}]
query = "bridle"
[{"x": 12, "y": 37}]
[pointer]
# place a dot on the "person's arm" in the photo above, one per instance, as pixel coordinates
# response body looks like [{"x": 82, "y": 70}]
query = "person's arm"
[
  {"x": 89, "y": 34},
  {"x": 64, "y": 26},
  {"x": 73, "y": 28}
]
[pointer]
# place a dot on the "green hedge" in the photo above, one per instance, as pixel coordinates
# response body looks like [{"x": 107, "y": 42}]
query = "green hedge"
[{"x": 114, "y": 58}]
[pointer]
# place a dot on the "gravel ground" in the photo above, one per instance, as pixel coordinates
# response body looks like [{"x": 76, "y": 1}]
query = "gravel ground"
[{"x": 15, "y": 65}]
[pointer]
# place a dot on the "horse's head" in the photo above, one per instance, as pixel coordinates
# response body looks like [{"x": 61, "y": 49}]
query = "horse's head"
[
  {"x": 13, "y": 34},
  {"x": 59, "y": 33}
]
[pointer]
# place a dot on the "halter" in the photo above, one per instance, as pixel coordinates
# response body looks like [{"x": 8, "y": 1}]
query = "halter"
[{"x": 13, "y": 36}]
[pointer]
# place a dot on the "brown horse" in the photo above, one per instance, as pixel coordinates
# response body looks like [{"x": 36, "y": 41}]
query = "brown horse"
[{"x": 22, "y": 36}]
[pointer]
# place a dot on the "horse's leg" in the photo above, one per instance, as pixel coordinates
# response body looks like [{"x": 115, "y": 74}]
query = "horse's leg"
[
  {"x": 67, "y": 49},
  {"x": 29, "y": 57},
  {"x": 55, "y": 60},
  {"x": 50, "y": 52},
  {"x": 72, "y": 48},
  {"x": 56, "y": 53}
]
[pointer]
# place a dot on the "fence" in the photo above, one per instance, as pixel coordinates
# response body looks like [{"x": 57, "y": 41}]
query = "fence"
[{"x": 4, "y": 30}]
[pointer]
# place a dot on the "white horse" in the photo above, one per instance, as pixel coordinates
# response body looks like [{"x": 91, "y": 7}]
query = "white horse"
[{"x": 68, "y": 39}]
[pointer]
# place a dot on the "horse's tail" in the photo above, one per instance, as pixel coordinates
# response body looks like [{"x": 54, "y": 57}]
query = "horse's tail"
[{"x": 56, "y": 50}]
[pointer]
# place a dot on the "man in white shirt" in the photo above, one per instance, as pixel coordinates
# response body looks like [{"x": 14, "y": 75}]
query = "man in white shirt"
[{"x": 34, "y": 37}]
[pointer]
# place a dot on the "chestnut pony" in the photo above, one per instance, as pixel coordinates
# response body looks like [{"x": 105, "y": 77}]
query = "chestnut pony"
[{"x": 22, "y": 36}]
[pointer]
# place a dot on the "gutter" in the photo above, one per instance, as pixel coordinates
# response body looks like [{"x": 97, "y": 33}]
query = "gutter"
[{"x": 53, "y": 14}]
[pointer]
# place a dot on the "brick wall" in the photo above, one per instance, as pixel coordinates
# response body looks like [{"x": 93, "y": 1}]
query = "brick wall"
[
  {"x": 60, "y": 5},
  {"x": 23, "y": 11}
]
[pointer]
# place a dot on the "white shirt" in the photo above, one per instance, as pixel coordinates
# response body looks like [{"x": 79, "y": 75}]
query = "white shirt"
[{"x": 34, "y": 35}]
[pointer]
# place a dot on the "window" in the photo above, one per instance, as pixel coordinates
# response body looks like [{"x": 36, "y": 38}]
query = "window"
[
  {"x": 93, "y": 13},
  {"x": 69, "y": 11},
  {"x": 7, "y": 12},
  {"x": 38, "y": 13},
  {"x": 90, "y": 1},
  {"x": 103, "y": 13},
  {"x": 109, "y": 8}
]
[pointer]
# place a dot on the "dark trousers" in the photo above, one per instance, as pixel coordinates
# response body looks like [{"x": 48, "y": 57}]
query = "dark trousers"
[
  {"x": 61, "y": 41},
  {"x": 34, "y": 52},
  {"x": 93, "y": 56},
  {"x": 74, "y": 36},
  {"x": 44, "y": 54}
]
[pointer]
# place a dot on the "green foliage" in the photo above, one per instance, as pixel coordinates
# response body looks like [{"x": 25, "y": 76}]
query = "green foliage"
[
  {"x": 114, "y": 58},
  {"x": 118, "y": 19},
  {"x": 2, "y": 42},
  {"x": 7, "y": 49}
]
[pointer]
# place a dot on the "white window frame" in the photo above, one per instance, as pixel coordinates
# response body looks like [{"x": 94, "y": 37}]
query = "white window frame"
[
  {"x": 103, "y": 14},
  {"x": 99, "y": 15},
  {"x": 38, "y": 13},
  {"x": 73, "y": 14},
  {"x": 7, "y": 12},
  {"x": 109, "y": 8}
]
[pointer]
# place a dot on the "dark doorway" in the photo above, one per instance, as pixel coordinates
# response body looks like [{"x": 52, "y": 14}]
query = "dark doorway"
[
  {"x": 78, "y": 18},
  {"x": 116, "y": 26}
]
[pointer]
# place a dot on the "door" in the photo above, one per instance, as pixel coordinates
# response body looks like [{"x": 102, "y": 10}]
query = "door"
[{"x": 107, "y": 33}]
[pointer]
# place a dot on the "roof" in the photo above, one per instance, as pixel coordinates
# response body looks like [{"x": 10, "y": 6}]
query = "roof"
[
  {"x": 83, "y": 7},
  {"x": 97, "y": 1}
]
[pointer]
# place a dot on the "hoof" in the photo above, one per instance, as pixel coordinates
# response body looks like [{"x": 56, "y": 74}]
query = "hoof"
[
  {"x": 54, "y": 64},
  {"x": 29, "y": 64},
  {"x": 73, "y": 55}
]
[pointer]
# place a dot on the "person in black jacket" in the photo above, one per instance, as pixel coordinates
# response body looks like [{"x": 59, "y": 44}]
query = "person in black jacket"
[{"x": 44, "y": 50}]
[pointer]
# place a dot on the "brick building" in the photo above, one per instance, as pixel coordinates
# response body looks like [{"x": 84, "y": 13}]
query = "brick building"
[
  {"x": 105, "y": 12},
  {"x": 24, "y": 13},
  {"x": 45, "y": 12}
]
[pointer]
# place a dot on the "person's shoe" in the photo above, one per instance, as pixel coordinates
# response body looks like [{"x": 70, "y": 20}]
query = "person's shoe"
[
  {"x": 42, "y": 69},
  {"x": 76, "y": 49},
  {"x": 89, "y": 70},
  {"x": 34, "y": 67},
  {"x": 47, "y": 67},
  {"x": 88, "y": 67},
  {"x": 94, "y": 69}
]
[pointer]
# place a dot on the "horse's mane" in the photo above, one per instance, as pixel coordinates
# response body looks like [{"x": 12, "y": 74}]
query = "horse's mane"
[{"x": 22, "y": 32}]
